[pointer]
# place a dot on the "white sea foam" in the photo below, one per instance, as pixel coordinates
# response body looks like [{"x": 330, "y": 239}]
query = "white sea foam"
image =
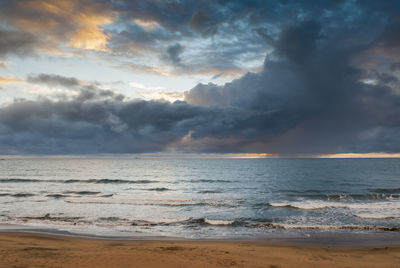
[
  {"x": 162, "y": 204},
  {"x": 335, "y": 227},
  {"x": 218, "y": 222}
]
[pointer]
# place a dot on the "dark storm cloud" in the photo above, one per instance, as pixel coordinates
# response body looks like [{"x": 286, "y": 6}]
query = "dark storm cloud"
[
  {"x": 236, "y": 31},
  {"x": 92, "y": 122},
  {"x": 120, "y": 27},
  {"x": 97, "y": 121},
  {"x": 324, "y": 87},
  {"x": 226, "y": 24},
  {"x": 203, "y": 23},
  {"x": 395, "y": 66},
  {"x": 134, "y": 37},
  {"x": 311, "y": 79}
]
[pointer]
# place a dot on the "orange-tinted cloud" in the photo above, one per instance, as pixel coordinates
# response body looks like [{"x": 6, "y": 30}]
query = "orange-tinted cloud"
[
  {"x": 72, "y": 23},
  {"x": 6, "y": 80}
]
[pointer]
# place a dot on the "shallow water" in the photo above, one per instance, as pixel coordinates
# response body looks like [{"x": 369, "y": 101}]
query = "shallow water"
[{"x": 201, "y": 198}]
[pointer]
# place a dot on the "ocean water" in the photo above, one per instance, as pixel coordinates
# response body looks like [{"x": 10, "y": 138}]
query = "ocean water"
[{"x": 201, "y": 198}]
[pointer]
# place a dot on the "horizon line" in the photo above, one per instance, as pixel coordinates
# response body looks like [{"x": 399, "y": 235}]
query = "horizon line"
[{"x": 211, "y": 155}]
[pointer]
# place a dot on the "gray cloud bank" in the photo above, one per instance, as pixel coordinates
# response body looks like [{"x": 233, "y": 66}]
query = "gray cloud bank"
[{"x": 324, "y": 88}]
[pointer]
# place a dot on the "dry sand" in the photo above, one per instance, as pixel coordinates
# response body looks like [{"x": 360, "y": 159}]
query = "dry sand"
[{"x": 42, "y": 250}]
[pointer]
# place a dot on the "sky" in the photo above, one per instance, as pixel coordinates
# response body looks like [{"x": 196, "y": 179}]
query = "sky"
[{"x": 267, "y": 78}]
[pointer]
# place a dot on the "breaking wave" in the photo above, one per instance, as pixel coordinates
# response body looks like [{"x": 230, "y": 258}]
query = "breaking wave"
[
  {"x": 200, "y": 222},
  {"x": 162, "y": 204},
  {"x": 312, "y": 204}
]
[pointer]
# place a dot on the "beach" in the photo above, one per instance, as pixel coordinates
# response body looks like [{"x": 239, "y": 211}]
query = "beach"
[
  {"x": 24, "y": 249},
  {"x": 118, "y": 212},
  {"x": 171, "y": 133}
]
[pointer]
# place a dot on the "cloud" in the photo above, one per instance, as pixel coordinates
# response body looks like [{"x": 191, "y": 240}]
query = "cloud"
[
  {"x": 16, "y": 42},
  {"x": 173, "y": 54},
  {"x": 323, "y": 86},
  {"x": 141, "y": 68},
  {"x": 55, "y": 87},
  {"x": 92, "y": 122},
  {"x": 162, "y": 96},
  {"x": 203, "y": 23},
  {"x": 136, "y": 30},
  {"x": 54, "y": 80},
  {"x": 5, "y": 80},
  {"x": 80, "y": 123},
  {"x": 72, "y": 23},
  {"x": 4, "y": 64},
  {"x": 219, "y": 37},
  {"x": 395, "y": 66},
  {"x": 315, "y": 97}
]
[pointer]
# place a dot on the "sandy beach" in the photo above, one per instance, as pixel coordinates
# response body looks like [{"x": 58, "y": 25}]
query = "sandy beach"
[{"x": 19, "y": 249}]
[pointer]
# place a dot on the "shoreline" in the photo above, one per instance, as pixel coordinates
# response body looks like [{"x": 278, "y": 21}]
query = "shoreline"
[
  {"x": 30, "y": 249},
  {"x": 296, "y": 238}
]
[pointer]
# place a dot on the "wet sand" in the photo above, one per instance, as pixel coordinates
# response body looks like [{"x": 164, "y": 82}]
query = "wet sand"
[{"x": 19, "y": 249}]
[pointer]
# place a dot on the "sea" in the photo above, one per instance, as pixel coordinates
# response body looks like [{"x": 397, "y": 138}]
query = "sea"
[{"x": 200, "y": 198}]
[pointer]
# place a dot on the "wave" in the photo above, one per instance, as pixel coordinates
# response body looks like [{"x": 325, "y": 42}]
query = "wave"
[
  {"x": 98, "y": 181},
  {"x": 376, "y": 216},
  {"x": 209, "y": 203},
  {"x": 353, "y": 196},
  {"x": 209, "y": 192},
  {"x": 300, "y": 191},
  {"x": 78, "y": 194},
  {"x": 300, "y": 205},
  {"x": 210, "y": 181},
  {"x": 377, "y": 196},
  {"x": 198, "y": 222},
  {"x": 47, "y": 217},
  {"x": 387, "y": 190},
  {"x": 109, "y": 181},
  {"x": 117, "y": 221},
  {"x": 138, "y": 203},
  {"x": 335, "y": 227},
  {"x": 159, "y": 189},
  {"x": 311, "y": 205},
  {"x": 189, "y": 221},
  {"x": 18, "y": 180},
  {"x": 18, "y": 194},
  {"x": 22, "y": 195},
  {"x": 256, "y": 223},
  {"x": 58, "y": 196},
  {"x": 112, "y": 219},
  {"x": 218, "y": 222},
  {"x": 82, "y": 192}
]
